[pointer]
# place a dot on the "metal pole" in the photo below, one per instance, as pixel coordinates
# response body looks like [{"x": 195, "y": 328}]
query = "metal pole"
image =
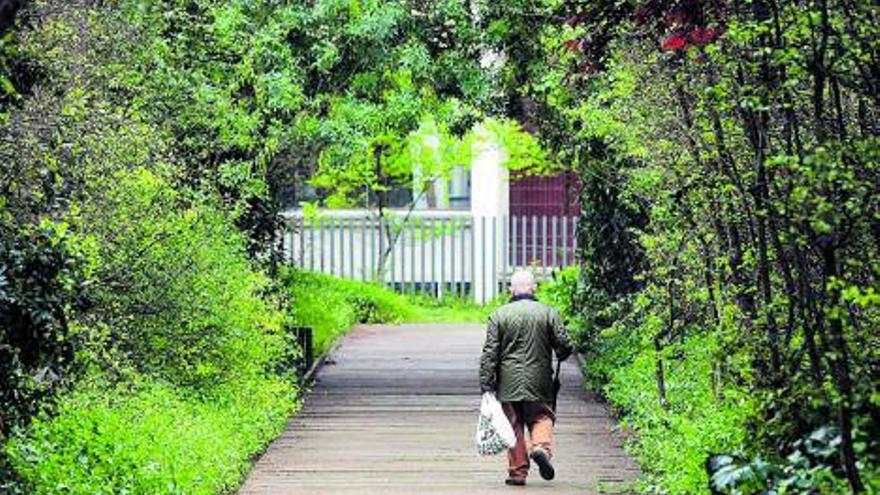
[
  {"x": 534, "y": 239},
  {"x": 402, "y": 242},
  {"x": 372, "y": 249},
  {"x": 322, "y": 243},
  {"x": 341, "y": 228},
  {"x": 452, "y": 287},
  {"x": 525, "y": 238},
  {"x": 363, "y": 245},
  {"x": 331, "y": 230},
  {"x": 302, "y": 243},
  {"x": 504, "y": 254},
  {"x": 544, "y": 243},
  {"x": 351, "y": 247},
  {"x": 297, "y": 239},
  {"x": 483, "y": 259},
  {"x": 494, "y": 289},
  {"x": 412, "y": 259},
  {"x": 574, "y": 240},
  {"x": 380, "y": 269},
  {"x": 392, "y": 258},
  {"x": 473, "y": 291},
  {"x": 433, "y": 234},
  {"x": 311, "y": 245},
  {"x": 513, "y": 241},
  {"x": 463, "y": 262},
  {"x": 422, "y": 251},
  {"x": 554, "y": 225},
  {"x": 564, "y": 241},
  {"x": 442, "y": 287}
]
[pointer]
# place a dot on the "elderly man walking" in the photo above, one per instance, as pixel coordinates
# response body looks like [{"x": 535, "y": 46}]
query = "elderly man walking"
[{"x": 517, "y": 364}]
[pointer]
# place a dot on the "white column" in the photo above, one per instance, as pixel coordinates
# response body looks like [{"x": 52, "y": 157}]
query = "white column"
[{"x": 490, "y": 198}]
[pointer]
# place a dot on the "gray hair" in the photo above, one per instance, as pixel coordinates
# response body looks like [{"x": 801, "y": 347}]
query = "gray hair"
[{"x": 522, "y": 282}]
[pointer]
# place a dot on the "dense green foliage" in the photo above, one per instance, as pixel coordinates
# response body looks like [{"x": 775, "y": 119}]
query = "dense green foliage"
[
  {"x": 177, "y": 350},
  {"x": 672, "y": 438},
  {"x": 728, "y": 153},
  {"x": 727, "y": 297},
  {"x": 143, "y": 349}
]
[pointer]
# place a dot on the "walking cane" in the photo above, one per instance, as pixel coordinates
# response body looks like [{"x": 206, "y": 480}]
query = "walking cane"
[{"x": 556, "y": 385}]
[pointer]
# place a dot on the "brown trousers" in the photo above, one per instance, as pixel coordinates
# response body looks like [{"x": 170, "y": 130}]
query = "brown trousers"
[{"x": 538, "y": 418}]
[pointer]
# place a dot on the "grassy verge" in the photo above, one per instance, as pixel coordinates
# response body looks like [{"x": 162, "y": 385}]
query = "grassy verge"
[
  {"x": 331, "y": 306},
  {"x": 150, "y": 438}
]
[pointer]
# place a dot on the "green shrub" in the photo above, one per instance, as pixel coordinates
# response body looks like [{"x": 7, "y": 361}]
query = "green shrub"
[
  {"x": 701, "y": 414},
  {"x": 331, "y": 306},
  {"x": 175, "y": 286},
  {"x": 150, "y": 439},
  {"x": 673, "y": 441},
  {"x": 179, "y": 353},
  {"x": 561, "y": 292}
]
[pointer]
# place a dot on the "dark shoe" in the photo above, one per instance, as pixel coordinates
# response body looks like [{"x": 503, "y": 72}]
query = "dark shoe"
[
  {"x": 515, "y": 482},
  {"x": 543, "y": 461}
]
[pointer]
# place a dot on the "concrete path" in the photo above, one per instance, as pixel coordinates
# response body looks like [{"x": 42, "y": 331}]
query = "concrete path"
[{"x": 395, "y": 410}]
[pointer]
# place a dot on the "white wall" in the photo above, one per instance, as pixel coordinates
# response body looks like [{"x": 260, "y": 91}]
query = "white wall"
[{"x": 490, "y": 197}]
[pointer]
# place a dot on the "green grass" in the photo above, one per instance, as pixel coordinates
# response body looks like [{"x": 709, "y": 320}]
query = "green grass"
[
  {"x": 449, "y": 309},
  {"x": 150, "y": 438},
  {"x": 331, "y": 306}
]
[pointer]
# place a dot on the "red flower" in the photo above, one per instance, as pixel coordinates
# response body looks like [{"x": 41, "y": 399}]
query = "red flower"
[{"x": 675, "y": 42}]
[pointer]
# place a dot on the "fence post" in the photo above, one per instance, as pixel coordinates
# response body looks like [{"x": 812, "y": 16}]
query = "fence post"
[
  {"x": 452, "y": 288},
  {"x": 441, "y": 289},
  {"x": 350, "y": 229},
  {"x": 504, "y": 253},
  {"x": 555, "y": 222},
  {"x": 513, "y": 242},
  {"x": 482, "y": 260},
  {"x": 564, "y": 241},
  {"x": 312, "y": 245},
  {"x": 422, "y": 252},
  {"x": 392, "y": 256},
  {"x": 544, "y": 244},
  {"x": 363, "y": 245},
  {"x": 473, "y": 289},
  {"x": 412, "y": 257},
  {"x": 433, "y": 233},
  {"x": 493, "y": 290}
]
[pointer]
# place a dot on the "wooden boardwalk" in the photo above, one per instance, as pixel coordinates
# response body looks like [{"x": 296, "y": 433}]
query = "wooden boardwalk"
[{"x": 394, "y": 412}]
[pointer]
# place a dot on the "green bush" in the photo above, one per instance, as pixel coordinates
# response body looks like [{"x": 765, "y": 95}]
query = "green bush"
[
  {"x": 150, "y": 439},
  {"x": 331, "y": 306},
  {"x": 175, "y": 286},
  {"x": 700, "y": 415},
  {"x": 561, "y": 292},
  {"x": 674, "y": 440},
  {"x": 178, "y": 354}
]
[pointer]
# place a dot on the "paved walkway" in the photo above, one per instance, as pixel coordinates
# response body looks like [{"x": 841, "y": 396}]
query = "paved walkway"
[{"x": 395, "y": 413}]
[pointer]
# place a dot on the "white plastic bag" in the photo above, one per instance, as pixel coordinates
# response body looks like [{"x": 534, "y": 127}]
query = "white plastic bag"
[{"x": 494, "y": 433}]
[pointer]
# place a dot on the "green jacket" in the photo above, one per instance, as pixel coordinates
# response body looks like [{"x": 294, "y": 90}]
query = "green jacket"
[{"x": 517, "y": 360}]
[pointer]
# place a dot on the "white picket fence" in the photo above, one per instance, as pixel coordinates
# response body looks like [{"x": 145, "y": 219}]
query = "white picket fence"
[{"x": 436, "y": 253}]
